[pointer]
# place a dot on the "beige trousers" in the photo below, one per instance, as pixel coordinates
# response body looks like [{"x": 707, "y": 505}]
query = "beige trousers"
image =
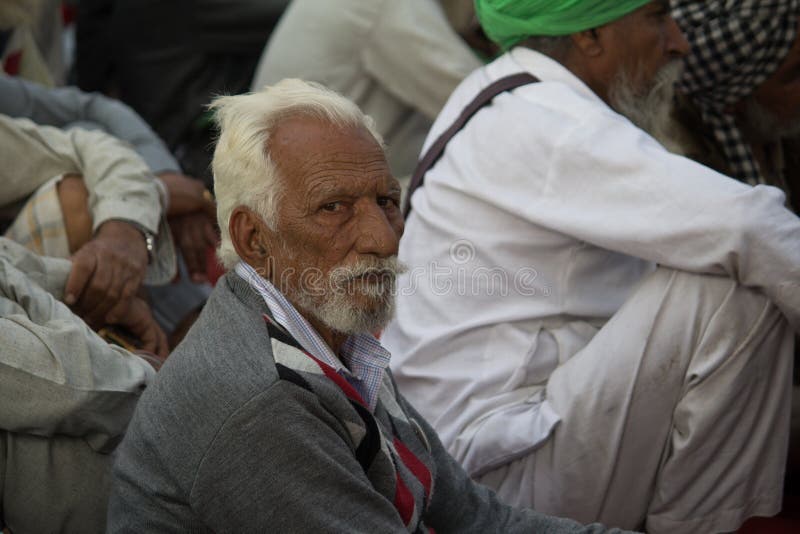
[
  {"x": 675, "y": 416},
  {"x": 66, "y": 398}
]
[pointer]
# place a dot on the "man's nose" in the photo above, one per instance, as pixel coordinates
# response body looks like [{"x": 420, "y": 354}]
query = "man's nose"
[
  {"x": 677, "y": 44},
  {"x": 377, "y": 235}
]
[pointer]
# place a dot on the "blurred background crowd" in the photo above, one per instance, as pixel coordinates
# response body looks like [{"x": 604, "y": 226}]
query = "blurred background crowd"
[{"x": 106, "y": 142}]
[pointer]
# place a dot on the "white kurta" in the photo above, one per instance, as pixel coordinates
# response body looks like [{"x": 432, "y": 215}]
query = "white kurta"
[{"x": 543, "y": 214}]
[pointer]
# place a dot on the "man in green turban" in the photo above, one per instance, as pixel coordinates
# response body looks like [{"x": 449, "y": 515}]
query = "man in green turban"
[
  {"x": 507, "y": 22},
  {"x": 595, "y": 326}
]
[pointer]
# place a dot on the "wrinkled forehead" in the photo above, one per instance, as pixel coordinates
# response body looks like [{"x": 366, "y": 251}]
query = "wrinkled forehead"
[
  {"x": 301, "y": 135},
  {"x": 307, "y": 150}
]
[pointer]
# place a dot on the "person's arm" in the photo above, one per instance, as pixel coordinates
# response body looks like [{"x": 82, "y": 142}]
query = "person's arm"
[
  {"x": 56, "y": 375},
  {"x": 417, "y": 56},
  {"x": 109, "y": 269},
  {"x": 69, "y": 106},
  {"x": 63, "y": 106},
  {"x": 611, "y": 185},
  {"x": 120, "y": 184},
  {"x": 192, "y": 219},
  {"x": 52, "y": 274}
]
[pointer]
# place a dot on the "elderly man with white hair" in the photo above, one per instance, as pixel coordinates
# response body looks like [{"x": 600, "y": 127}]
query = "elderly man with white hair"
[{"x": 277, "y": 412}]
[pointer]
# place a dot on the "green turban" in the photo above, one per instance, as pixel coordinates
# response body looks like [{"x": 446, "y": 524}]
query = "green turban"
[{"x": 508, "y": 22}]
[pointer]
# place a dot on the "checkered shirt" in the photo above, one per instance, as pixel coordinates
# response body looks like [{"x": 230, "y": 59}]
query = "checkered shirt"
[
  {"x": 365, "y": 358},
  {"x": 735, "y": 46}
]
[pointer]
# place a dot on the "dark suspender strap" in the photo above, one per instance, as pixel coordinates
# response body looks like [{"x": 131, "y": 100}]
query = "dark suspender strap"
[{"x": 435, "y": 151}]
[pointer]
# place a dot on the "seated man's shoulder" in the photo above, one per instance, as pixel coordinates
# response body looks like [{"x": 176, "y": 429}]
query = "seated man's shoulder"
[
  {"x": 223, "y": 369},
  {"x": 223, "y": 362},
  {"x": 232, "y": 362},
  {"x": 227, "y": 350}
]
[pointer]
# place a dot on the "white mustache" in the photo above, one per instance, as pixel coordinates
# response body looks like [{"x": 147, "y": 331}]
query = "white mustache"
[{"x": 373, "y": 270}]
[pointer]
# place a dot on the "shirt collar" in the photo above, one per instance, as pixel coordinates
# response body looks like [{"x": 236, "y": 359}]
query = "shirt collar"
[{"x": 366, "y": 358}]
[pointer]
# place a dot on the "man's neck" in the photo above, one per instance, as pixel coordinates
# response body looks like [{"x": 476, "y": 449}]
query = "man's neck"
[{"x": 333, "y": 339}]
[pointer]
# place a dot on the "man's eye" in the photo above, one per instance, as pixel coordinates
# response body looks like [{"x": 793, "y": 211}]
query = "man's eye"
[
  {"x": 387, "y": 202},
  {"x": 332, "y": 206}
]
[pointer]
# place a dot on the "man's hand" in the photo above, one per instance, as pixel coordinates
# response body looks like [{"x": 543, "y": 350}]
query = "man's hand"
[
  {"x": 193, "y": 234},
  {"x": 106, "y": 273},
  {"x": 192, "y": 218},
  {"x": 139, "y": 322},
  {"x": 187, "y": 195}
]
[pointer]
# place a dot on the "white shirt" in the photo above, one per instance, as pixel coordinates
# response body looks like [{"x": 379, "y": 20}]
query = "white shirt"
[
  {"x": 398, "y": 60},
  {"x": 546, "y": 210}
]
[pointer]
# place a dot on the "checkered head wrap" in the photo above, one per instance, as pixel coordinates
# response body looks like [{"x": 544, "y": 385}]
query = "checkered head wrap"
[{"x": 735, "y": 46}]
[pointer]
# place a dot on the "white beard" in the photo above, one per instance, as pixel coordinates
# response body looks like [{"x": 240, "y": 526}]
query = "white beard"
[
  {"x": 333, "y": 300},
  {"x": 649, "y": 109}
]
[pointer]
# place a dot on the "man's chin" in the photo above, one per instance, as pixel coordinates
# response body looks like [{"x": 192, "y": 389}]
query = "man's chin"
[
  {"x": 649, "y": 109},
  {"x": 355, "y": 313}
]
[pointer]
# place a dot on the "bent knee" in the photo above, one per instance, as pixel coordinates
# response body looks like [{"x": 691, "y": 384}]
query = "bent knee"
[{"x": 717, "y": 296}]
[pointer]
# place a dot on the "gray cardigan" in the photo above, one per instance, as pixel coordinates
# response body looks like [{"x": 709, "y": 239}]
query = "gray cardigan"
[{"x": 242, "y": 432}]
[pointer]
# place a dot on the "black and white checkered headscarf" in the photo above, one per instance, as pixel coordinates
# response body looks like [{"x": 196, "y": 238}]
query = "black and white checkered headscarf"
[{"x": 736, "y": 45}]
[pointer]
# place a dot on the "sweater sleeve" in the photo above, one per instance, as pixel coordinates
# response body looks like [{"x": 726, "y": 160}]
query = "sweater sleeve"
[
  {"x": 670, "y": 210},
  {"x": 460, "y": 504},
  {"x": 301, "y": 477}
]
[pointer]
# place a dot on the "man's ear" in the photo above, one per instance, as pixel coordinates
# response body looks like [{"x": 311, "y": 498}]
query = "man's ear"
[
  {"x": 249, "y": 236},
  {"x": 588, "y": 42}
]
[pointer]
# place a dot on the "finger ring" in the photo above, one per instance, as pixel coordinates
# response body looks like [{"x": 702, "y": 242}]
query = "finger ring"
[{"x": 207, "y": 195}]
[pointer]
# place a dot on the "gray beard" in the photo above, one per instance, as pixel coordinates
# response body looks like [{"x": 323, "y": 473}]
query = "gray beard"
[
  {"x": 649, "y": 109},
  {"x": 332, "y": 300}
]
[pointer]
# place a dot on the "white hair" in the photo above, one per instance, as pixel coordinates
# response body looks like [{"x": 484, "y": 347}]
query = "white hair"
[{"x": 244, "y": 172}]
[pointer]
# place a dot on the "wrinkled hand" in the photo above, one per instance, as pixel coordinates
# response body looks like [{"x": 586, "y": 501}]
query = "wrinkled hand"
[
  {"x": 106, "y": 273},
  {"x": 192, "y": 217},
  {"x": 193, "y": 234},
  {"x": 187, "y": 195},
  {"x": 139, "y": 321}
]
